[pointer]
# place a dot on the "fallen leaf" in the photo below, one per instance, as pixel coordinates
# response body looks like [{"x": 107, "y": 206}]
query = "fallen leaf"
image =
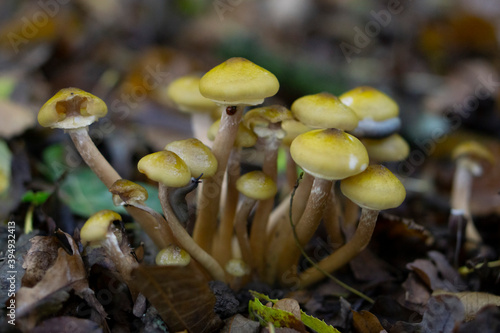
[
  {"x": 181, "y": 295},
  {"x": 472, "y": 301},
  {"x": 487, "y": 320},
  {"x": 240, "y": 324},
  {"x": 41, "y": 255},
  {"x": 366, "y": 322},
  {"x": 289, "y": 305},
  {"x": 67, "y": 324},
  {"x": 16, "y": 118}
]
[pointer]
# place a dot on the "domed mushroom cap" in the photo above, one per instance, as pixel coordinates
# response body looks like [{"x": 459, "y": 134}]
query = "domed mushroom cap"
[
  {"x": 256, "y": 185},
  {"x": 375, "y": 188},
  {"x": 238, "y": 81},
  {"x": 71, "y": 108},
  {"x": 185, "y": 93},
  {"x": 245, "y": 137},
  {"x": 237, "y": 267},
  {"x": 165, "y": 167},
  {"x": 172, "y": 255},
  {"x": 324, "y": 110},
  {"x": 329, "y": 154},
  {"x": 391, "y": 149},
  {"x": 473, "y": 150},
  {"x": 198, "y": 157},
  {"x": 96, "y": 227},
  {"x": 368, "y": 102},
  {"x": 293, "y": 128},
  {"x": 125, "y": 191}
]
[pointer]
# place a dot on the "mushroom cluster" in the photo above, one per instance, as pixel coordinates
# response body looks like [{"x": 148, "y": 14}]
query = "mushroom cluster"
[{"x": 241, "y": 231}]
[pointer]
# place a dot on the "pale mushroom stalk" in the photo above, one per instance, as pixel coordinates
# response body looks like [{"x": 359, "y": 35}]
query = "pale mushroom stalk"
[
  {"x": 200, "y": 123},
  {"x": 345, "y": 253},
  {"x": 306, "y": 226},
  {"x": 209, "y": 198},
  {"x": 184, "y": 239},
  {"x": 241, "y": 229},
  {"x": 332, "y": 220}
]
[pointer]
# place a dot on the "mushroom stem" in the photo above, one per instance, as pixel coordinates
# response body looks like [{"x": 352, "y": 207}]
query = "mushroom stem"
[
  {"x": 331, "y": 220},
  {"x": 225, "y": 231},
  {"x": 306, "y": 226},
  {"x": 351, "y": 216},
  {"x": 162, "y": 237},
  {"x": 209, "y": 198},
  {"x": 241, "y": 229},
  {"x": 264, "y": 207},
  {"x": 291, "y": 171},
  {"x": 200, "y": 123},
  {"x": 345, "y": 253},
  {"x": 460, "y": 195},
  {"x": 185, "y": 241}
]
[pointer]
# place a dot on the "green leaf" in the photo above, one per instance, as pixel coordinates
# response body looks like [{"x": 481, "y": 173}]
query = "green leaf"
[
  {"x": 258, "y": 312},
  {"x": 36, "y": 198},
  {"x": 279, "y": 318},
  {"x": 85, "y": 194}
]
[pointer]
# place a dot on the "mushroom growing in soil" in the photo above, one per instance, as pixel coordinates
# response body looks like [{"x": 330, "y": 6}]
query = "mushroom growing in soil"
[
  {"x": 327, "y": 155},
  {"x": 172, "y": 255},
  {"x": 378, "y": 113},
  {"x": 235, "y": 83},
  {"x": 73, "y": 110},
  {"x": 373, "y": 190},
  {"x": 170, "y": 171}
]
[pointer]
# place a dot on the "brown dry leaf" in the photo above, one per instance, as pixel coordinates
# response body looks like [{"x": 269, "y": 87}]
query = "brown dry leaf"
[
  {"x": 472, "y": 301},
  {"x": 417, "y": 294},
  {"x": 67, "y": 324},
  {"x": 290, "y": 305},
  {"x": 366, "y": 322},
  {"x": 181, "y": 295},
  {"x": 38, "y": 259},
  {"x": 67, "y": 273},
  {"x": 487, "y": 321},
  {"x": 240, "y": 324},
  {"x": 16, "y": 118}
]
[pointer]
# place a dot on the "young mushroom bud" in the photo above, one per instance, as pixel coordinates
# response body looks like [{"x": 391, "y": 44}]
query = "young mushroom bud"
[
  {"x": 237, "y": 270},
  {"x": 254, "y": 185},
  {"x": 170, "y": 171},
  {"x": 185, "y": 93},
  {"x": 378, "y": 113},
  {"x": 236, "y": 82},
  {"x": 390, "y": 149},
  {"x": 373, "y": 190},
  {"x": 172, "y": 255},
  {"x": 99, "y": 231},
  {"x": 126, "y": 192}
]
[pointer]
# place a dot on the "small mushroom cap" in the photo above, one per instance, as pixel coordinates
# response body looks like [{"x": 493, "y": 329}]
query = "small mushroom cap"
[
  {"x": 244, "y": 138},
  {"x": 97, "y": 226},
  {"x": 185, "y": 93},
  {"x": 198, "y": 157},
  {"x": 125, "y": 191},
  {"x": 256, "y": 185},
  {"x": 324, "y": 110},
  {"x": 266, "y": 121},
  {"x": 238, "y": 81},
  {"x": 237, "y": 267},
  {"x": 71, "y": 108},
  {"x": 173, "y": 255},
  {"x": 391, "y": 149},
  {"x": 368, "y": 102},
  {"x": 375, "y": 188},
  {"x": 293, "y": 128},
  {"x": 165, "y": 167},
  {"x": 473, "y": 150},
  {"x": 329, "y": 154}
]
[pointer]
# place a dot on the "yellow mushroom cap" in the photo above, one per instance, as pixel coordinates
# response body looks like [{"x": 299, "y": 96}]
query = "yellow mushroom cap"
[
  {"x": 329, "y": 153},
  {"x": 96, "y": 227},
  {"x": 375, "y": 188},
  {"x": 165, "y": 167},
  {"x": 185, "y": 93},
  {"x": 368, "y": 102},
  {"x": 71, "y": 108},
  {"x": 172, "y": 255},
  {"x": 256, "y": 185},
  {"x": 198, "y": 157},
  {"x": 324, "y": 110},
  {"x": 391, "y": 149},
  {"x": 237, "y": 267},
  {"x": 292, "y": 129},
  {"x": 245, "y": 137},
  {"x": 474, "y": 150},
  {"x": 125, "y": 191},
  {"x": 238, "y": 81},
  {"x": 266, "y": 121}
]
